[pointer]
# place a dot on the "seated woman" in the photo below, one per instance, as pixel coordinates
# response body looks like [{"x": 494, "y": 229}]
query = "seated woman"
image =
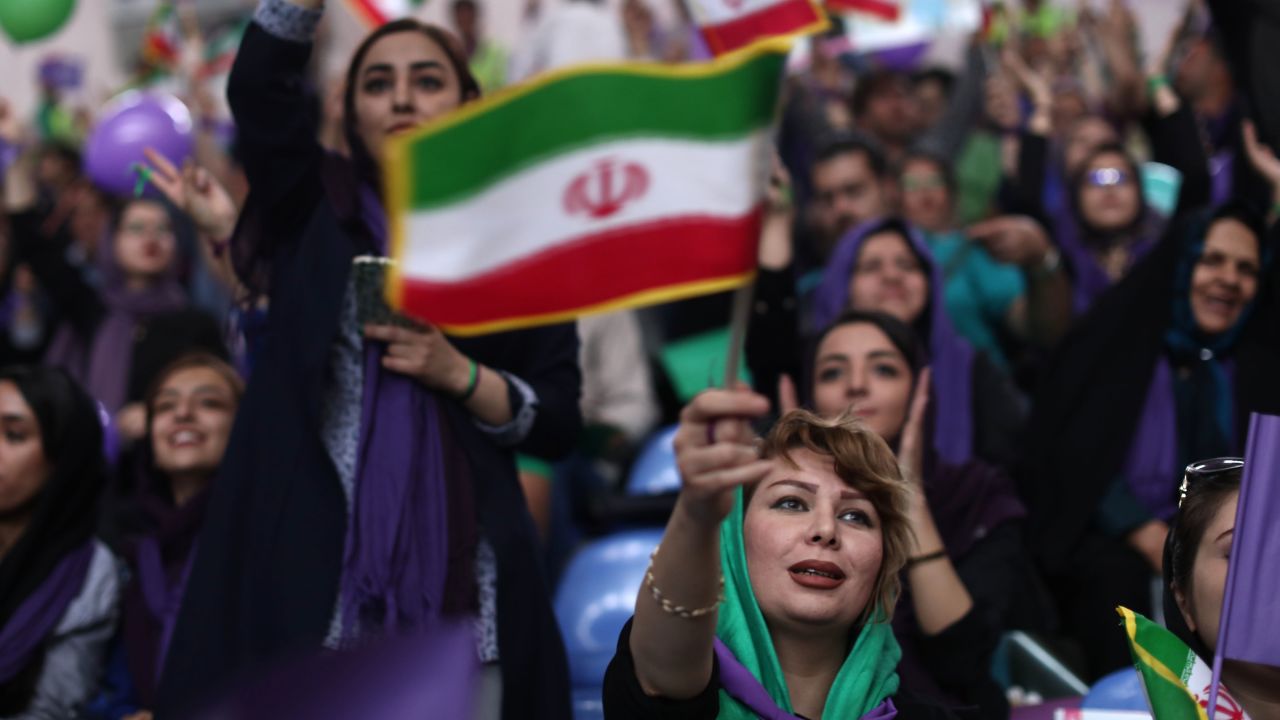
[
  {"x": 1195, "y": 575},
  {"x": 59, "y": 587},
  {"x": 885, "y": 266},
  {"x": 190, "y": 409},
  {"x": 774, "y": 587},
  {"x": 967, "y": 563},
  {"x": 1164, "y": 371}
]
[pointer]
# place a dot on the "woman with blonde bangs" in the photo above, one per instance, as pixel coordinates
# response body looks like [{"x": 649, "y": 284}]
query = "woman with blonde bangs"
[{"x": 772, "y": 592}]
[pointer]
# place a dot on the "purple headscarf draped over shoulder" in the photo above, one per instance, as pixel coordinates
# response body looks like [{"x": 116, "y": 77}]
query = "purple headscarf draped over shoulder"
[{"x": 950, "y": 356}]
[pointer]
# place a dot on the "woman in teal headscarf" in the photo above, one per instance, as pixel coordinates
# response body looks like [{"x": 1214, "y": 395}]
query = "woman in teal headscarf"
[{"x": 771, "y": 593}]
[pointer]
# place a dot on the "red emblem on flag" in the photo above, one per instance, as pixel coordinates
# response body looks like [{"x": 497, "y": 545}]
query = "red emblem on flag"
[
  {"x": 604, "y": 189},
  {"x": 1227, "y": 706}
]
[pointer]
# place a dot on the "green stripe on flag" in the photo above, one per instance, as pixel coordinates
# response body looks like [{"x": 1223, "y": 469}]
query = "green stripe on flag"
[
  {"x": 1163, "y": 662},
  {"x": 484, "y": 143}
]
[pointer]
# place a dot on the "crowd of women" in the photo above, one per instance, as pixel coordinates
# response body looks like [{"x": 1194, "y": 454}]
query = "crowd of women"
[{"x": 985, "y": 342}]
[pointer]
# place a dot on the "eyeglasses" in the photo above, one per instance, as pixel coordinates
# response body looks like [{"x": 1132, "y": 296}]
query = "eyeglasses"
[
  {"x": 1106, "y": 177},
  {"x": 1202, "y": 469}
]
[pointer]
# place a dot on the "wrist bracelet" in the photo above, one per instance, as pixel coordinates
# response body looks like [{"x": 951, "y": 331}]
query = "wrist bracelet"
[
  {"x": 922, "y": 559},
  {"x": 472, "y": 382},
  {"x": 671, "y": 608}
]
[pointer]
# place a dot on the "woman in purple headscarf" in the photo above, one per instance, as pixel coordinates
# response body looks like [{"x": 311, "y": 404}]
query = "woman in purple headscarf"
[
  {"x": 59, "y": 587},
  {"x": 885, "y": 266},
  {"x": 967, "y": 565},
  {"x": 131, "y": 320},
  {"x": 369, "y": 487}
]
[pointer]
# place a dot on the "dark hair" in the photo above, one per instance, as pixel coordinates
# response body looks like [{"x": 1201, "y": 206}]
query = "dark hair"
[
  {"x": 1205, "y": 496},
  {"x": 935, "y": 159},
  {"x": 848, "y": 143},
  {"x": 468, "y": 86},
  {"x": 64, "y": 151},
  {"x": 1077, "y": 184},
  {"x": 457, "y": 5},
  {"x": 871, "y": 85},
  {"x": 65, "y": 510},
  {"x": 942, "y": 76},
  {"x": 904, "y": 339}
]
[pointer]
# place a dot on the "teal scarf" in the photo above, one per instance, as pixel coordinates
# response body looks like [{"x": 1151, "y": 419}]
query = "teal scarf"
[{"x": 868, "y": 676}]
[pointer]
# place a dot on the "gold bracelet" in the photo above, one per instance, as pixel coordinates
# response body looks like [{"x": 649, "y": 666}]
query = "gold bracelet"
[{"x": 671, "y": 608}]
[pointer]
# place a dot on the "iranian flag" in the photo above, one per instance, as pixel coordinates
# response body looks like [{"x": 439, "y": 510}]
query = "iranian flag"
[
  {"x": 887, "y": 10},
  {"x": 589, "y": 189},
  {"x": 1174, "y": 678},
  {"x": 728, "y": 25},
  {"x": 375, "y": 13}
]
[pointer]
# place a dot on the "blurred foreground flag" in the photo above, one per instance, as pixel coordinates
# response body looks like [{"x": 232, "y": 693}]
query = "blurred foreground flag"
[
  {"x": 1174, "y": 678},
  {"x": 887, "y": 10},
  {"x": 375, "y": 13},
  {"x": 727, "y": 25},
  {"x": 586, "y": 190}
]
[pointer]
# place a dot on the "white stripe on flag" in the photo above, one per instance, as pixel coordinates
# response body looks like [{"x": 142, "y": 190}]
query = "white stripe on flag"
[
  {"x": 536, "y": 209},
  {"x": 718, "y": 12}
]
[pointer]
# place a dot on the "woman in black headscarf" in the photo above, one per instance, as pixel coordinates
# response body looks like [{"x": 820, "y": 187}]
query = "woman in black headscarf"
[
  {"x": 59, "y": 588},
  {"x": 1163, "y": 370}
]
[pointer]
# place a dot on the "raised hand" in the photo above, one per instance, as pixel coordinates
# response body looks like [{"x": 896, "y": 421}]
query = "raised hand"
[
  {"x": 194, "y": 191},
  {"x": 716, "y": 452},
  {"x": 788, "y": 399},
  {"x": 1014, "y": 239},
  {"x": 911, "y": 445}
]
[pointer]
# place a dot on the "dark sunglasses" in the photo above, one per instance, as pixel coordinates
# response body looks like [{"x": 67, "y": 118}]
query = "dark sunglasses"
[{"x": 1204, "y": 469}]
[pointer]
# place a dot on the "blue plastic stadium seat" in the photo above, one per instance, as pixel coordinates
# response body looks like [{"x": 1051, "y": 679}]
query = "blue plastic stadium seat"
[
  {"x": 597, "y": 595},
  {"x": 654, "y": 471},
  {"x": 1121, "y": 690}
]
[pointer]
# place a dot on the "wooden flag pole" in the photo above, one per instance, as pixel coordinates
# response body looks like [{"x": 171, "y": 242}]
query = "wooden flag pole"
[{"x": 738, "y": 319}]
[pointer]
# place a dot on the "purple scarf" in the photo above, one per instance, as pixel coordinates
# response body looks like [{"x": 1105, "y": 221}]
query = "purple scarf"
[
  {"x": 742, "y": 686},
  {"x": 102, "y": 363},
  {"x": 412, "y": 536},
  {"x": 950, "y": 356},
  {"x": 1089, "y": 279},
  {"x": 40, "y": 612}
]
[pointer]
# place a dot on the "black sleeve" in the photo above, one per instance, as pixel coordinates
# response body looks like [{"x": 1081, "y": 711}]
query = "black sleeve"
[
  {"x": 74, "y": 298},
  {"x": 959, "y": 657},
  {"x": 1022, "y": 194},
  {"x": 1175, "y": 141},
  {"x": 624, "y": 699},
  {"x": 546, "y": 359},
  {"x": 999, "y": 413},
  {"x": 773, "y": 337},
  {"x": 276, "y": 122}
]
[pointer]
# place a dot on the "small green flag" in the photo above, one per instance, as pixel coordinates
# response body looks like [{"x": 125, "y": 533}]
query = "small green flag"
[{"x": 1174, "y": 678}]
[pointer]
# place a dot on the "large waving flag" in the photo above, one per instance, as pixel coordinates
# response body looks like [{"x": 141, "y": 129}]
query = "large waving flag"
[
  {"x": 590, "y": 189},
  {"x": 887, "y": 10},
  {"x": 728, "y": 25},
  {"x": 1176, "y": 681},
  {"x": 1251, "y": 600}
]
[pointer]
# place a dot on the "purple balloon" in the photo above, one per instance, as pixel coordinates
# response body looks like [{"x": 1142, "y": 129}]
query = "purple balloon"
[{"x": 129, "y": 123}]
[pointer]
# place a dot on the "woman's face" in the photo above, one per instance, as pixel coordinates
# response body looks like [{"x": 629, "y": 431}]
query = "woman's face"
[
  {"x": 191, "y": 421},
  {"x": 144, "y": 243},
  {"x": 404, "y": 80},
  {"x": 23, "y": 465},
  {"x": 859, "y": 367},
  {"x": 888, "y": 278},
  {"x": 814, "y": 547},
  {"x": 1109, "y": 195},
  {"x": 1201, "y": 604},
  {"x": 926, "y": 202},
  {"x": 1225, "y": 278}
]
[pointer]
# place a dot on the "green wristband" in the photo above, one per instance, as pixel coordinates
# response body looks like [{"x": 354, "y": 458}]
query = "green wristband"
[
  {"x": 472, "y": 382},
  {"x": 1155, "y": 82}
]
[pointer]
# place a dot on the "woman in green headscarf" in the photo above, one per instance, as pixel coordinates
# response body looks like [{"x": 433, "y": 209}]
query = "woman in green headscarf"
[{"x": 771, "y": 593}]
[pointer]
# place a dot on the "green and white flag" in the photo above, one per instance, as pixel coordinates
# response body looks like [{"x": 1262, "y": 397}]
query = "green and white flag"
[{"x": 1175, "y": 679}]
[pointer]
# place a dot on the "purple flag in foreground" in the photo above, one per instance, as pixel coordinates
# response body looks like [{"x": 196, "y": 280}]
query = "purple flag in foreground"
[
  {"x": 1251, "y": 600},
  {"x": 429, "y": 675}
]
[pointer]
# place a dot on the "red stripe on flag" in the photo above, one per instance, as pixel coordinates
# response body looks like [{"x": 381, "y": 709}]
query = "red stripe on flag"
[
  {"x": 594, "y": 271},
  {"x": 367, "y": 12},
  {"x": 889, "y": 10},
  {"x": 781, "y": 19}
]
